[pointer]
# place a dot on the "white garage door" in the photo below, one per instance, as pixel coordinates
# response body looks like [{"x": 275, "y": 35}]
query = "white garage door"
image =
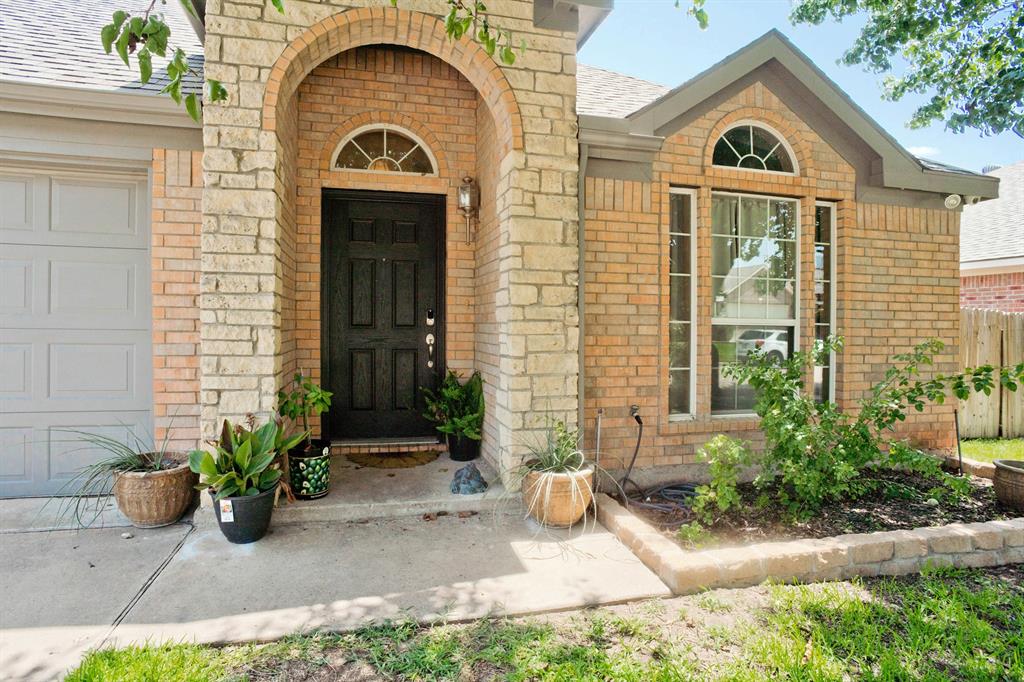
[{"x": 75, "y": 319}]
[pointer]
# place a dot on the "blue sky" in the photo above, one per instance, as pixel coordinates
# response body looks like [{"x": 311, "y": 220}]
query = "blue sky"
[{"x": 653, "y": 40}]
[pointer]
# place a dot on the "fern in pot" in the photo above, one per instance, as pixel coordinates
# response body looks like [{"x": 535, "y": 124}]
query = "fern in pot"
[
  {"x": 243, "y": 477},
  {"x": 557, "y": 479},
  {"x": 153, "y": 487},
  {"x": 458, "y": 411}
]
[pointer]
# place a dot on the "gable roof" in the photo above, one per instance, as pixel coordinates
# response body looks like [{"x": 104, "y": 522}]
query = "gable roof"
[
  {"x": 601, "y": 92},
  {"x": 888, "y": 164},
  {"x": 994, "y": 230},
  {"x": 30, "y": 54}
]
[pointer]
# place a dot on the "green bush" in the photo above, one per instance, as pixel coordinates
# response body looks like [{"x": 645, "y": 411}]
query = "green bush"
[
  {"x": 243, "y": 461},
  {"x": 727, "y": 458},
  {"x": 815, "y": 452}
]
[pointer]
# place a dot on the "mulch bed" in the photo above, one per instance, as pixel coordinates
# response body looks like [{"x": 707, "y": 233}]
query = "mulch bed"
[{"x": 908, "y": 504}]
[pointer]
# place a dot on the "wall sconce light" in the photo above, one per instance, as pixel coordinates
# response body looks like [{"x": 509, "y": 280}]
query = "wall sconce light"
[{"x": 469, "y": 200}]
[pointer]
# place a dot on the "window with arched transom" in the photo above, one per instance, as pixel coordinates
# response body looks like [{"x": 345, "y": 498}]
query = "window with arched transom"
[
  {"x": 753, "y": 147},
  {"x": 384, "y": 149}
]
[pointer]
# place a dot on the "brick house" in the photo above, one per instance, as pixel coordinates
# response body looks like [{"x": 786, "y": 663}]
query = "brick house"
[
  {"x": 992, "y": 246},
  {"x": 629, "y": 241}
]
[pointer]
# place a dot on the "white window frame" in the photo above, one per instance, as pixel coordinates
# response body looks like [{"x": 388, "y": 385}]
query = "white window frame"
[
  {"x": 386, "y": 127},
  {"x": 779, "y": 136},
  {"x": 833, "y": 210},
  {"x": 748, "y": 322},
  {"x": 692, "y": 193}
]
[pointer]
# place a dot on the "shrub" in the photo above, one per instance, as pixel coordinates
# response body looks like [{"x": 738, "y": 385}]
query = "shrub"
[
  {"x": 727, "y": 458},
  {"x": 456, "y": 408},
  {"x": 815, "y": 452}
]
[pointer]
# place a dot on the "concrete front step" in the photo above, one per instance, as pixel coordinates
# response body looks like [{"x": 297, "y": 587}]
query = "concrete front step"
[{"x": 365, "y": 493}]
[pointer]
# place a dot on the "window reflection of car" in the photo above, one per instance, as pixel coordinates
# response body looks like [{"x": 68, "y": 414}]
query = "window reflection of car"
[{"x": 772, "y": 342}]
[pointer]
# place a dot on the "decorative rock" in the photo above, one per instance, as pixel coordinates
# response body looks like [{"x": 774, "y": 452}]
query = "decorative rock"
[
  {"x": 127, "y": 536},
  {"x": 468, "y": 481}
]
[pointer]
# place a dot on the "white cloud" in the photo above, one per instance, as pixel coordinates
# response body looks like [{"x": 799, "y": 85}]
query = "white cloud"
[{"x": 924, "y": 150}]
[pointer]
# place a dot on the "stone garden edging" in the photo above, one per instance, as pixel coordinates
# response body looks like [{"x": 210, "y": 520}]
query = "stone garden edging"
[
  {"x": 971, "y": 466},
  {"x": 866, "y": 554}
]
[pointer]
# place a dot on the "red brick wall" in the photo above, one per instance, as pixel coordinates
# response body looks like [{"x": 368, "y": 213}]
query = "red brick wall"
[
  {"x": 1004, "y": 292},
  {"x": 176, "y": 228}
]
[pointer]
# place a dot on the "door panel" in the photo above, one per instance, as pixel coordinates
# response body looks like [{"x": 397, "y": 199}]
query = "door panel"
[{"x": 381, "y": 274}]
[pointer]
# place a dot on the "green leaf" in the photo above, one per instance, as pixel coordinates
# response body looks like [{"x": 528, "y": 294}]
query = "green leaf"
[
  {"x": 122, "y": 46},
  {"x": 119, "y": 18},
  {"x": 243, "y": 455},
  {"x": 215, "y": 91},
  {"x": 189, "y": 8},
  {"x": 278, "y": 5},
  {"x": 145, "y": 65},
  {"x": 193, "y": 108},
  {"x": 108, "y": 34}
]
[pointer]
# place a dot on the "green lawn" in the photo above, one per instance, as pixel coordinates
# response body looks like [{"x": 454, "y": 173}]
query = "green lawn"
[
  {"x": 947, "y": 624},
  {"x": 988, "y": 449}
]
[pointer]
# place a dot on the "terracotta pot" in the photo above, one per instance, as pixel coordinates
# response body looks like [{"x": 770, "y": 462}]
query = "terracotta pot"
[
  {"x": 1008, "y": 482},
  {"x": 156, "y": 498},
  {"x": 558, "y": 499}
]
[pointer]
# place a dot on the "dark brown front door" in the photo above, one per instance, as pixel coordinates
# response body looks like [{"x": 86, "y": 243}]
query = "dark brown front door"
[{"x": 381, "y": 287}]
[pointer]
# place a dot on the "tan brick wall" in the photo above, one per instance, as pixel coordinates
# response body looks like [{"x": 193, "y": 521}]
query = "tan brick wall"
[
  {"x": 894, "y": 281},
  {"x": 1004, "y": 292},
  {"x": 176, "y": 226},
  {"x": 251, "y": 206}
]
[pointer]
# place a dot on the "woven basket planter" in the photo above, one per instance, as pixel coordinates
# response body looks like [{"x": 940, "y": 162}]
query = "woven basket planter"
[
  {"x": 151, "y": 499},
  {"x": 1009, "y": 482},
  {"x": 560, "y": 499}
]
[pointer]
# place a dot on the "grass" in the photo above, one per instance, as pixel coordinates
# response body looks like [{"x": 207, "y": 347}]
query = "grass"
[
  {"x": 988, "y": 449},
  {"x": 946, "y": 624}
]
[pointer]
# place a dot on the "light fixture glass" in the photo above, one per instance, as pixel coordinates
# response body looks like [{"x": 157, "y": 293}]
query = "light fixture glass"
[{"x": 469, "y": 199}]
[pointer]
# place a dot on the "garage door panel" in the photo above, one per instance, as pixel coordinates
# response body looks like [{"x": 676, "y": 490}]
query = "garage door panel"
[
  {"x": 16, "y": 275},
  {"x": 15, "y": 371},
  {"x": 93, "y": 207},
  {"x": 16, "y": 454},
  {"x": 74, "y": 287},
  {"x": 77, "y": 370},
  {"x": 19, "y": 196}
]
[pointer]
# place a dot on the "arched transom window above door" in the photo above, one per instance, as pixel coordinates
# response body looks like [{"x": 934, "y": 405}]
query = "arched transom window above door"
[
  {"x": 384, "y": 149},
  {"x": 753, "y": 146}
]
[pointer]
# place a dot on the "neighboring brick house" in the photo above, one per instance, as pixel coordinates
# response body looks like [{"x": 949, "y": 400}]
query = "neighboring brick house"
[
  {"x": 630, "y": 241},
  {"x": 992, "y": 246}
]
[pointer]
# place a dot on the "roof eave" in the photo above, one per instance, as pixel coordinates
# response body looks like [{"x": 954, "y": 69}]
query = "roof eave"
[{"x": 94, "y": 105}]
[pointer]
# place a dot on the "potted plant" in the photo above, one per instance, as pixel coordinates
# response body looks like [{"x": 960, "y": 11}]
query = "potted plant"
[
  {"x": 458, "y": 411},
  {"x": 242, "y": 478},
  {"x": 558, "y": 482},
  {"x": 1008, "y": 482},
  {"x": 309, "y": 463},
  {"x": 152, "y": 487}
]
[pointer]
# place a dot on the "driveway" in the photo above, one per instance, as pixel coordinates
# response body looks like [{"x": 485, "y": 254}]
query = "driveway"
[{"x": 67, "y": 591}]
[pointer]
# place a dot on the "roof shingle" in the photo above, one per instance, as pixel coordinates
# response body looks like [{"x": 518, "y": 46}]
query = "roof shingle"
[
  {"x": 994, "y": 229},
  {"x": 600, "y": 92}
]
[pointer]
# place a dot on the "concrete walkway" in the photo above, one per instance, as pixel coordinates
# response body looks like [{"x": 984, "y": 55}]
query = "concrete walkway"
[{"x": 64, "y": 592}]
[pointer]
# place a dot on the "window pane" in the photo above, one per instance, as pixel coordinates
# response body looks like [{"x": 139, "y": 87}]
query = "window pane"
[
  {"x": 679, "y": 253},
  {"x": 724, "y": 250},
  {"x": 680, "y": 213},
  {"x": 724, "y": 155},
  {"x": 417, "y": 162},
  {"x": 723, "y": 215},
  {"x": 823, "y": 224},
  {"x": 822, "y": 379},
  {"x": 679, "y": 298},
  {"x": 753, "y": 217},
  {"x": 781, "y": 299},
  {"x": 823, "y": 284},
  {"x": 679, "y": 391},
  {"x": 679, "y": 345},
  {"x": 351, "y": 157},
  {"x": 782, "y": 224},
  {"x": 386, "y": 151},
  {"x": 372, "y": 143},
  {"x": 739, "y": 138}
]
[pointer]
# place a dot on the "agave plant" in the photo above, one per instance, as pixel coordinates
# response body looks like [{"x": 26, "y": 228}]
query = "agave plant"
[{"x": 244, "y": 461}]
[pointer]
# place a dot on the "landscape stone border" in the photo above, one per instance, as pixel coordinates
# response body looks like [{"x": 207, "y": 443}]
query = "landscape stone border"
[
  {"x": 971, "y": 466},
  {"x": 897, "y": 552}
]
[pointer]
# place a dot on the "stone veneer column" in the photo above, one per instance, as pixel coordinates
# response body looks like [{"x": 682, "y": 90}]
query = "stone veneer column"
[{"x": 249, "y": 199}]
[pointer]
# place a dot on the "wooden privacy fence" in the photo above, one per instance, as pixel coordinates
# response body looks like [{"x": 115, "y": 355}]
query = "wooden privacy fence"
[{"x": 992, "y": 337}]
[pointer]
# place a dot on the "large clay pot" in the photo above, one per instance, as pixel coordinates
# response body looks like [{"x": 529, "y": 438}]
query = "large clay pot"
[
  {"x": 558, "y": 499},
  {"x": 1008, "y": 482},
  {"x": 250, "y": 516},
  {"x": 151, "y": 499}
]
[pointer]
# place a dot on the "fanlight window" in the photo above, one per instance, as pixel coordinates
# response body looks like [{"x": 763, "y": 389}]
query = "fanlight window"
[
  {"x": 752, "y": 147},
  {"x": 384, "y": 150}
]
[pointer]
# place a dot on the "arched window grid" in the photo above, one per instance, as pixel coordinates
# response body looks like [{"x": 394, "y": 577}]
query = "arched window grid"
[
  {"x": 745, "y": 152},
  {"x": 383, "y": 148}
]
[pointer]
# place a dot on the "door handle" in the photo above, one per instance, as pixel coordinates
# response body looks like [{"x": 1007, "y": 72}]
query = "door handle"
[{"x": 430, "y": 350}]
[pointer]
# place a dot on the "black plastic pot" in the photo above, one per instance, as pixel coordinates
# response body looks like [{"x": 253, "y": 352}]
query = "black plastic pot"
[
  {"x": 251, "y": 517},
  {"x": 462, "y": 449},
  {"x": 310, "y": 470}
]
